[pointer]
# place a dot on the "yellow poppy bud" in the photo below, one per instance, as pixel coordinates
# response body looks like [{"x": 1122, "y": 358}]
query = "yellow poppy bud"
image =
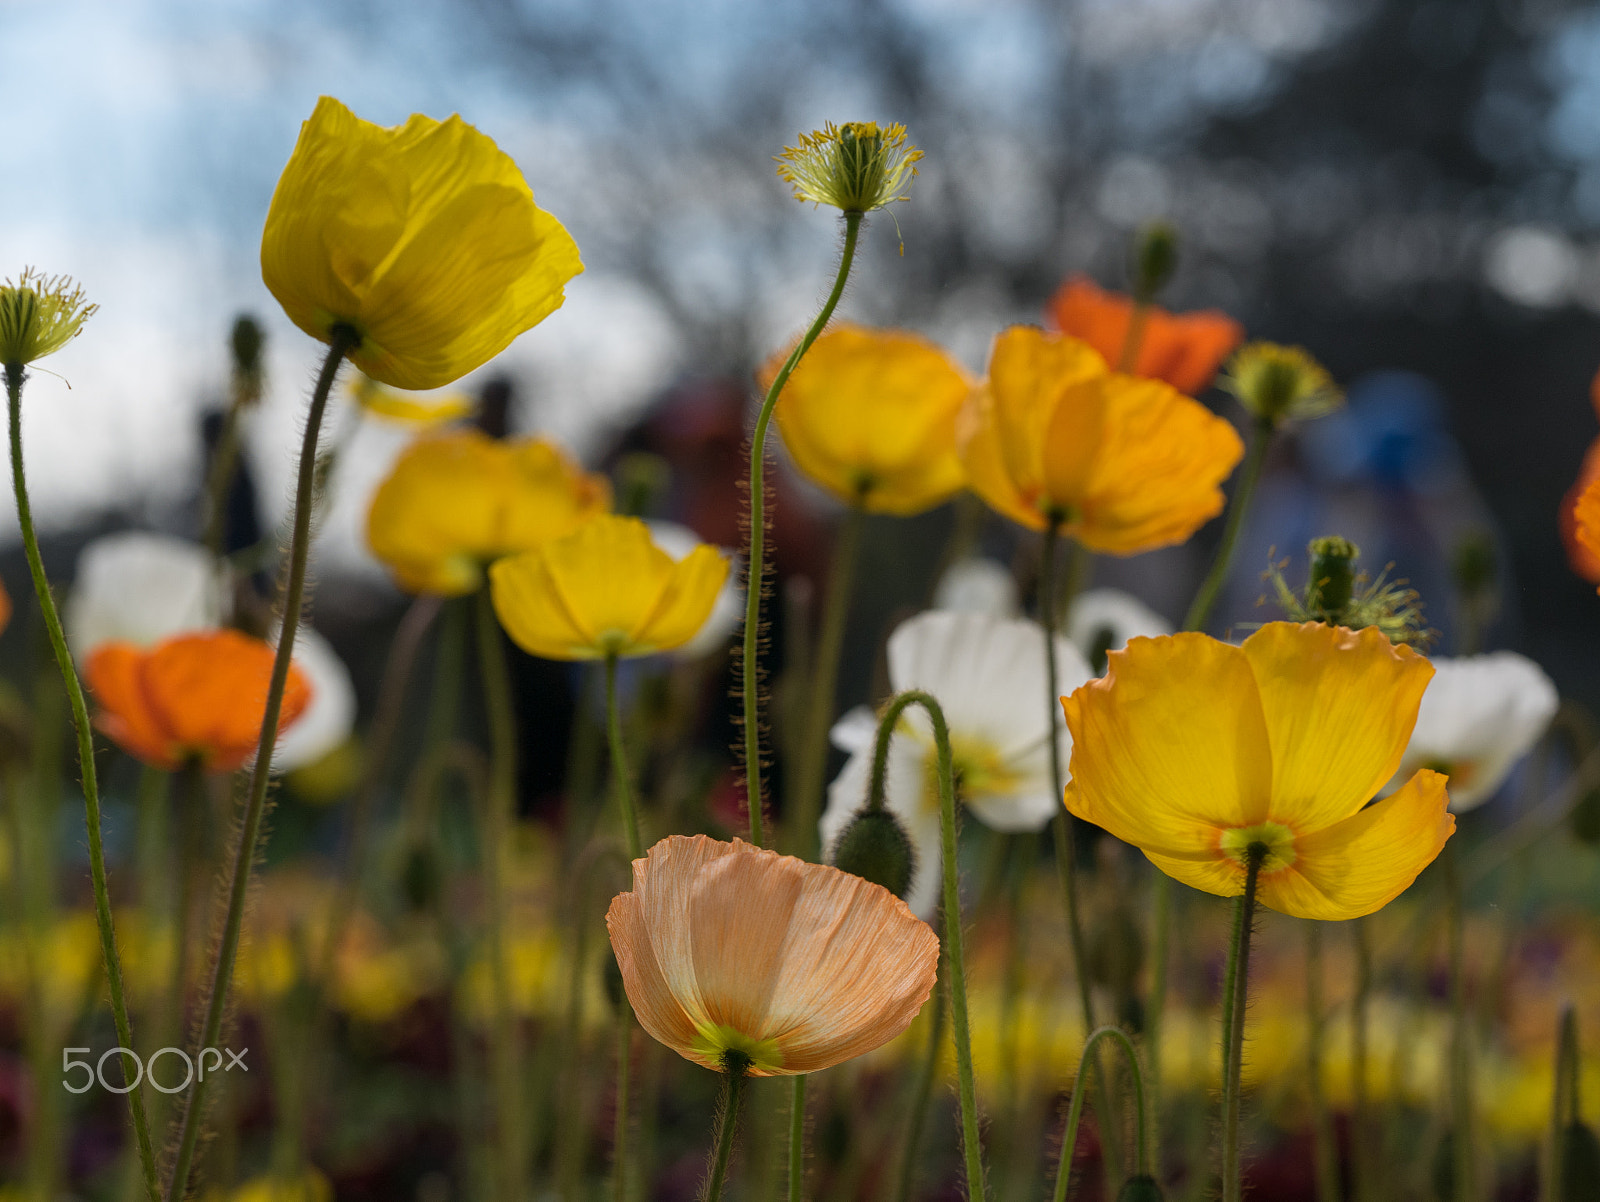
[
  {"x": 423, "y": 240},
  {"x": 38, "y": 316},
  {"x": 456, "y": 501},
  {"x": 870, "y": 415},
  {"x": 855, "y": 167},
  {"x": 605, "y": 589},
  {"x": 1121, "y": 463}
]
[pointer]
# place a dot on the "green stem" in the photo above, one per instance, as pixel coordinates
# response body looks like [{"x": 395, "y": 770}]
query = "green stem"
[
  {"x": 1260, "y": 440},
  {"x": 756, "y": 559},
  {"x": 1325, "y": 1151},
  {"x": 823, "y": 685},
  {"x": 1069, "y": 1138},
  {"x": 91, "y": 787},
  {"x": 923, "y": 1090},
  {"x": 219, "y": 480},
  {"x": 1155, "y": 1011},
  {"x": 499, "y": 821},
  {"x": 1461, "y": 1101},
  {"x": 1361, "y": 1136},
  {"x": 1235, "y": 993},
  {"x": 734, "y": 1084},
  {"x": 1566, "y": 1103},
  {"x": 621, "y": 776},
  {"x": 1134, "y": 338},
  {"x": 619, "y": 1139},
  {"x": 797, "y": 1137},
  {"x": 342, "y": 340},
  {"x": 972, "y": 1148}
]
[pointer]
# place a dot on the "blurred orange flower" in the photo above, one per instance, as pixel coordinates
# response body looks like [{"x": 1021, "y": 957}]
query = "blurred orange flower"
[
  {"x": 1184, "y": 349},
  {"x": 729, "y": 949},
  {"x": 5, "y": 606},
  {"x": 1583, "y": 552},
  {"x": 1120, "y": 463},
  {"x": 191, "y": 697},
  {"x": 457, "y": 501}
]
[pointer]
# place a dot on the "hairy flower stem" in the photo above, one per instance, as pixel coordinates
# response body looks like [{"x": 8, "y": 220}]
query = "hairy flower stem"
[
  {"x": 922, "y": 1091},
  {"x": 1236, "y": 990},
  {"x": 1069, "y": 1139},
  {"x": 797, "y": 1137},
  {"x": 342, "y": 340},
  {"x": 1206, "y": 598},
  {"x": 756, "y": 560},
  {"x": 971, "y": 1147},
  {"x": 499, "y": 823},
  {"x": 1362, "y": 1139},
  {"x": 734, "y": 1085},
  {"x": 91, "y": 787},
  {"x": 1325, "y": 1152},
  {"x": 622, "y": 783},
  {"x": 1461, "y": 1100},
  {"x": 823, "y": 684}
]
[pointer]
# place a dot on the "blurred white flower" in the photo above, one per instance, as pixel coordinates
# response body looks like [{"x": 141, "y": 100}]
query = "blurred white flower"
[
  {"x": 1104, "y": 619},
  {"x": 988, "y": 674},
  {"x": 140, "y": 588},
  {"x": 1480, "y": 715},
  {"x": 976, "y": 585},
  {"x": 327, "y": 722},
  {"x": 728, "y": 609}
]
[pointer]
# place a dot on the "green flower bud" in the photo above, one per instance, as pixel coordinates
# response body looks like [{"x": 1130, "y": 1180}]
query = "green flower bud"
[
  {"x": 876, "y": 847},
  {"x": 1155, "y": 258},
  {"x": 247, "y": 342},
  {"x": 1333, "y": 578}
]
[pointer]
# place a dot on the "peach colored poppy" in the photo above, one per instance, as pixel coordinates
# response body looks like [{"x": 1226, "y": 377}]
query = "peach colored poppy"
[
  {"x": 194, "y": 697},
  {"x": 1184, "y": 349},
  {"x": 727, "y": 948}
]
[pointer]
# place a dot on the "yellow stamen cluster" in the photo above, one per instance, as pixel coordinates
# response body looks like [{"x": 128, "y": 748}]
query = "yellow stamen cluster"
[
  {"x": 39, "y": 315},
  {"x": 856, "y": 167},
  {"x": 1280, "y": 382}
]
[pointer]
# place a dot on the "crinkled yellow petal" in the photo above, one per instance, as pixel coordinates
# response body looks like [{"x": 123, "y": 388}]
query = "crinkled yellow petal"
[
  {"x": 1170, "y": 745},
  {"x": 1361, "y": 864},
  {"x": 983, "y": 457},
  {"x": 1029, "y": 370},
  {"x": 1340, "y": 707},
  {"x": 531, "y": 607},
  {"x": 686, "y": 602}
]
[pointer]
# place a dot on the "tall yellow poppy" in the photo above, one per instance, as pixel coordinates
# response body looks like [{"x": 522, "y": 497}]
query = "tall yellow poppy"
[
  {"x": 1120, "y": 463},
  {"x": 1193, "y": 750},
  {"x": 423, "y": 239}
]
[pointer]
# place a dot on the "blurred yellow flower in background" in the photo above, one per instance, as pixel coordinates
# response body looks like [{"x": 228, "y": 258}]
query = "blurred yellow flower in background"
[
  {"x": 394, "y": 406},
  {"x": 1120, "y": 463},
  {"x": 423, "y": 239},
  {"x": 605, "y": 589},
  {"x": 1194, "y": 750},
  {"x": 309, "y": 1186},
  {"x": 870, "y": 415},
  {"x": 459, "y": 500}
]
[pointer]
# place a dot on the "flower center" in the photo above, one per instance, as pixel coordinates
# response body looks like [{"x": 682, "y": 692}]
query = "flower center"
[
  {"x": 976, "y": 764},
  {"x": 715, "y": 1041},
  {"x": 1278, "y": 839}
]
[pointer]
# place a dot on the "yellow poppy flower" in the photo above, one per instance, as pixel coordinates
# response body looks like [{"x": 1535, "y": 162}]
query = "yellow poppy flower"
[
  {"x": 1121, "y": 463},
  {"x": 1193, "y": 750},
  {"x": 424, "y": 239},
  {"x": 458, "y": 500},
  {"x": 605, "y": 589},
  {"x": 870, "y": 415}
]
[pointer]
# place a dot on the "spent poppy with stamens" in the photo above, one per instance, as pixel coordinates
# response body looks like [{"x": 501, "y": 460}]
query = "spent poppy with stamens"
[
  {"x": 192, "y": 698},
  {"x": 1195, "y": 750},
  {"x": 727, "y": 949}
]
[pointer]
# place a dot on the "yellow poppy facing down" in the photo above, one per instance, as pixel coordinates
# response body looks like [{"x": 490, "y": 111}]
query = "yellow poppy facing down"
[
  {"x": 605, "y": 590},
  {"x": 457, "y": 501},
  {"x": 1120, "y": 463},
  {"x": 424, "y": 240},
  {"x": 870, "y": 415},
  {"x": 1194, "y": 750}
]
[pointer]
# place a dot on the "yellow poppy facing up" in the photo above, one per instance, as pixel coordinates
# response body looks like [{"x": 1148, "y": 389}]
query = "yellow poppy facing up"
[
  {"x": 727, "y": 950},
  {"x": 605, "y": 590},
  {"x": 870, "y": 415},
  {"x": 455, "y": 502},
  {"x": 1121, "y": 463},
  {"x": 1194, "y": 750},
  {"x": 424, "y": 240}
]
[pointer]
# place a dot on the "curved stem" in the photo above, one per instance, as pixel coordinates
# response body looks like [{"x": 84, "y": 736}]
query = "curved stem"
[
  {"x": 621, "y": 778},
  {"x": 219, "y": 481},
  {"x": 1235, "y": 993},
  {"x": 343, "y": 339},
  {"x": 972, "y": 1148},
  {"x": 91, "y": 786},
  {"x": 733, "y": 1089},
  {"x": 1069, "y": 1138},
  {"x": 1206, "y": 597},
  {"x": 756, "y": 559},
  {"x": 797, "y": 1137},
  {"x": 823, "y": 685},
  {"x": 924, "y": 1086}
]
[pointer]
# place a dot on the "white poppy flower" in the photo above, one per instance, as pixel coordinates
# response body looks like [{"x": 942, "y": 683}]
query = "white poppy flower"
[
  {"x": 976, "y": 585},
  {"x": 1479, "y": 716},
  {"x": 1104, "y": 619},
  {"x": 139, "y": 587},
  {"x": 988, "y": 674},
  {"x": 726, "y": 611},
  {"x": 327, "y": 722}
]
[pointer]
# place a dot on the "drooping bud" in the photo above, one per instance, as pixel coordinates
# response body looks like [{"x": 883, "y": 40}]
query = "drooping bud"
[
  {"x": 1155, "y": 258},
  {"x": 876, "y": 848},
  {"x": 1333, "y": 576},
  {"x": 1276, "y": 383},
  {"x": 247, "y": 342},
  {"x": 1140, "y": 1188}
]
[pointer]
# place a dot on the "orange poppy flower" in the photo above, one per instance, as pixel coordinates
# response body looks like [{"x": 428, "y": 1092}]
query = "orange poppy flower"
[
  {"x": 1184, "y": 349},
  {"x": 727, "y": 948},
  {"x": 194, "y": 697},
  {"x": 1584, "y": 555}
]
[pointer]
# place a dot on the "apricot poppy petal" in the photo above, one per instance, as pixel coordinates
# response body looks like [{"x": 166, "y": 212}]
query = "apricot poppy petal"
[
  {"x": 122, "y": 712},
  {"x": 1361, "y": 864},
  {"x": 654, "y": 1003},
  {"x": 1171, "y": 744},
  {"x": 1340, "y": 707}
]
